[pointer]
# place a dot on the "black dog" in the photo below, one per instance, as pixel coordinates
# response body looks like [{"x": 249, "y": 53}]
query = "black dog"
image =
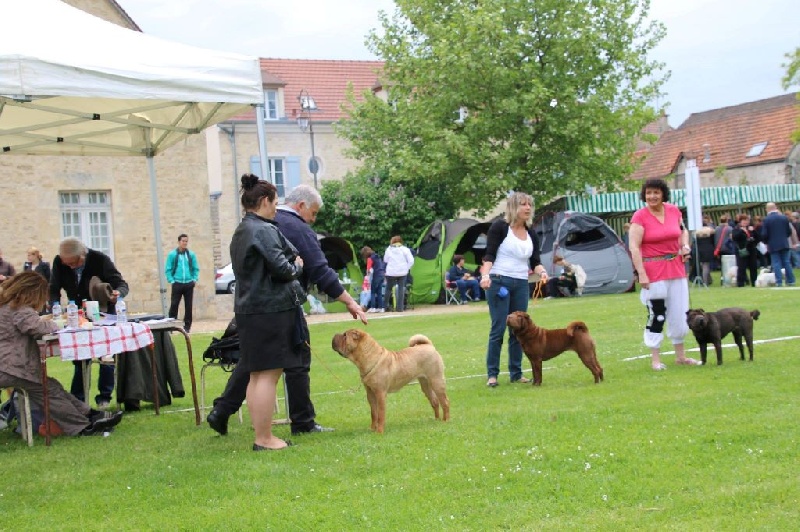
[{"x": 712, "y": 327}]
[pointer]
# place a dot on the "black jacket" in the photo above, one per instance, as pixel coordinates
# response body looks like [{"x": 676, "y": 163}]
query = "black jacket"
[
  {"x": 97, "y": 264},
  {"x": 42, "y": 269},
  {"x": 263, "y": 263},
  {"x": 495, "y": 236}
]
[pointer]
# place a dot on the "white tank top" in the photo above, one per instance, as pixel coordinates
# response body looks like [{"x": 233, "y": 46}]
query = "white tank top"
[{"x": 513, "y": 256}]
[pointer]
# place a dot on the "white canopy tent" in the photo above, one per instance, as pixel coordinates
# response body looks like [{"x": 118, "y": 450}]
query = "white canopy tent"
[{"x": 73, "y": 84}]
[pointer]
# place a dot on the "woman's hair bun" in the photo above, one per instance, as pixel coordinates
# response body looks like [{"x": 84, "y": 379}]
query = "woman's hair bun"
[{"x": 249, "y": 181}]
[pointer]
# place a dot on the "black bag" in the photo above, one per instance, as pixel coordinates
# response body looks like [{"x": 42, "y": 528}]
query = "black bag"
[{"x": 224, "y": 351}]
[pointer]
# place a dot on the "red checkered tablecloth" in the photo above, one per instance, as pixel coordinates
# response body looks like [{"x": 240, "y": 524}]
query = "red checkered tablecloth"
[{"x": 103, "y": 341}]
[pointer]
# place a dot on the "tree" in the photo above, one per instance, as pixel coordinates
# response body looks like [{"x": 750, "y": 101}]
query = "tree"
[
  {"x": 368, "y": 209},
  {"x": 792, "y": 77},
  {"x": 486, "y": 96}
]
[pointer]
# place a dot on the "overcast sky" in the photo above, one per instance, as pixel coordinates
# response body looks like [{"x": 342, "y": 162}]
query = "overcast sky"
[{"x": 720, "y": 52}]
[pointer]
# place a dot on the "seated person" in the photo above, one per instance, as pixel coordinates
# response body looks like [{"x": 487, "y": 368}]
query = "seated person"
[
  {"x": 464, "y": 280},
  {"x": 20, "y": 367},
  {"x": 566, "y": 283}
]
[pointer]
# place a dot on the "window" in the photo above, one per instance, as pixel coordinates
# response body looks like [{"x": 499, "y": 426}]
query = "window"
[
  {"x": 757, "y": 149},
  {"x": 87, "y": 215},
  {"x": 276, "y": 172},
  {"x": 271, "y": 104},
  {"x": 278, "y": 169}
]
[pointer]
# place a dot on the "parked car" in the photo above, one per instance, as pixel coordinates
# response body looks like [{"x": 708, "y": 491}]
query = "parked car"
[{"x": 225, "y": 281}]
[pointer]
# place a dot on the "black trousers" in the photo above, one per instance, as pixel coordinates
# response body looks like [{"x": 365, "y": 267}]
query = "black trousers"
[
  {"x": 185, "y": 291},
  {"x": 298, "y": 387}
]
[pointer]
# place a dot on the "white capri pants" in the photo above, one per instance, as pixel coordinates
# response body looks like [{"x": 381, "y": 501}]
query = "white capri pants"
[{"x": 667, "y": 303}]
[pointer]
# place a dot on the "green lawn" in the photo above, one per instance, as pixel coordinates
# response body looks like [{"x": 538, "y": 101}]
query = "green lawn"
[{"x": 690, "y": 448}]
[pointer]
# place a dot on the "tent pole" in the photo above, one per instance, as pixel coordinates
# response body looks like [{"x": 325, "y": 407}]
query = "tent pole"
[
  {"x": 151, "y": 168},
  {"x": 262, "y": 143}
]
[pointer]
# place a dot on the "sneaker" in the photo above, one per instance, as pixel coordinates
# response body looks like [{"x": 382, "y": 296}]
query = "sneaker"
[
  {"x": 372, "y": 310},
  {"x": 315, "y": 428},
  {"x": 381, "y": 310},
  {"x": 103, "y": 405}
]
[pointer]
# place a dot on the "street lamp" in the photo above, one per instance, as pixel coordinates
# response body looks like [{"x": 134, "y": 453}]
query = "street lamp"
[{"x": 307, "y": 104}]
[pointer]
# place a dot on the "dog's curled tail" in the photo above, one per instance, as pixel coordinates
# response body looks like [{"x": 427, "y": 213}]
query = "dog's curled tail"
[
  {"x": 576, "y": 326},
  {"x": 755, "y": 314},
  {"x": 418, "y": 339}
]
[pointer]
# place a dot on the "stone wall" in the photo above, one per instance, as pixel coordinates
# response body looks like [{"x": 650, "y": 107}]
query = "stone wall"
[
  {"x": 283, "y": 140},
  {"x": 30, "y": 187}
]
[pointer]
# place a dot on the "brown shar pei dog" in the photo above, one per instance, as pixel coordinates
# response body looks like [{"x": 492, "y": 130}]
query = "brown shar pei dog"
[
  {"x": 383, "y": 371},
  {"x": 543, "y": 344},
  {"x": 712, "y": 327}
]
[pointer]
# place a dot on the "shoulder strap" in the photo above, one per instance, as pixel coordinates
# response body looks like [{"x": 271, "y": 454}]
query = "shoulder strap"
[{"x": 722, "y": 238}]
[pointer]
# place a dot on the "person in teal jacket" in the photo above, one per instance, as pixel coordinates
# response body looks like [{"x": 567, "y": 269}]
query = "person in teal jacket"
[{"x": 182, "y": 271}]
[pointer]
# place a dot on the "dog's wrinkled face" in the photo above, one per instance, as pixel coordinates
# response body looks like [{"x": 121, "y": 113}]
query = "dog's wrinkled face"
[
  {"x": 519, "y": 320},
  {"x": 696, "y": 318},
  {"x": 345, "y": 343}
]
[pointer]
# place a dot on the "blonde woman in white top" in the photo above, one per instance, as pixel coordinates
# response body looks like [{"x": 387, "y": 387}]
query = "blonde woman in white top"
[{"x": 512, "y": 254}]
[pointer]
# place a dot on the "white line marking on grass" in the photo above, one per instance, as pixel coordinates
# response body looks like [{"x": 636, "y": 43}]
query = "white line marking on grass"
[{"x": 697, "y": 349}]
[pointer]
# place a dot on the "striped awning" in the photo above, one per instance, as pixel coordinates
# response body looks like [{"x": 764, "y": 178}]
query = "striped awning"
[{"x": 710, "y": 197}]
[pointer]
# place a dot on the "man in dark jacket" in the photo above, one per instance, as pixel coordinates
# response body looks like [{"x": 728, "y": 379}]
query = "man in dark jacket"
[
  {"x": 73, "y": 269},
  {"x": 294, "y": 220},
  {"x": 775, "y": 232}
]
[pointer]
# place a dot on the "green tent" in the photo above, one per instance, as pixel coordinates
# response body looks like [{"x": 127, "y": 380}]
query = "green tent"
[
  {"x": 342, "y": 257},
  {"x": 435, "y": 249}
]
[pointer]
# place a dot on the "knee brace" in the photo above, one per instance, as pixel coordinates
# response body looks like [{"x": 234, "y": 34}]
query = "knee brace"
[{"x": 658, "y": 315}]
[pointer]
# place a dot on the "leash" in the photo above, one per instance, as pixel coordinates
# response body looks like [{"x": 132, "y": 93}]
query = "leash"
[{"x": 335, "y": 376}]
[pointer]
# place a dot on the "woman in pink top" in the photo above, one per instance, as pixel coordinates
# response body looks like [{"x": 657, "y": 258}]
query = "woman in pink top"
[{"x": 659, "y": 245}]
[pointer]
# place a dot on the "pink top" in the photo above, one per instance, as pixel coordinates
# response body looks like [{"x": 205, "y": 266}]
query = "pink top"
[{"x": 659, "y": 240}]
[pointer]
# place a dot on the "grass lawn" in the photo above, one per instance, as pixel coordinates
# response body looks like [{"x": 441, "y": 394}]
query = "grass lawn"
[{"x": 690, "y": 448}]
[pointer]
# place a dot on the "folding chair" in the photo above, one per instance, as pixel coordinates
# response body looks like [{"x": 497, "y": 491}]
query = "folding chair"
[{"x": 450, "y": 291}]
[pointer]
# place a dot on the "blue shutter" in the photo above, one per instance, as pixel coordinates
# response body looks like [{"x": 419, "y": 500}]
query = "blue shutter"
[
  {"x": 292, "y": 173},
  {"x": 255, "y": 166}
]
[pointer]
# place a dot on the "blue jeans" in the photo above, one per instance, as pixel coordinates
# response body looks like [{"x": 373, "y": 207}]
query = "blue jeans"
[
  {"x": 780, "y": 259},
  {"x": 499, "y": 309},
  {"x": 377, "y": 291},
  {"x": 471, "y": 284}
]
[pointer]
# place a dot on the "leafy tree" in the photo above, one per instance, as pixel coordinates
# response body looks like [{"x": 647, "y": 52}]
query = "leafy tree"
[
  {"x": 485, "y": 96},
  {"x": 792, "y": 77},
  {"x": 368, "y": 209}
]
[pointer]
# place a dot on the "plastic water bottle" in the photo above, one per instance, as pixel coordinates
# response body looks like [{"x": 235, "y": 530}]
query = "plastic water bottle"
[
  {"x": 57, "y": 318},
  {"x": 73, "y": 322},
  {"x": 122, "y": 311}
]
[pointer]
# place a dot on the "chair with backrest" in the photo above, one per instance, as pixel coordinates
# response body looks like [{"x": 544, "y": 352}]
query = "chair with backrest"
[{"x": 450, "y": 291}]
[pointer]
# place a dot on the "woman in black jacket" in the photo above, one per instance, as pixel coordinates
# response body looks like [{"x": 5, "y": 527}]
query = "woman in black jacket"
[
  {"x": 746, "y": 239},
  {"x": 512, "y": 253},
  {"x": 267, "y": 304}
]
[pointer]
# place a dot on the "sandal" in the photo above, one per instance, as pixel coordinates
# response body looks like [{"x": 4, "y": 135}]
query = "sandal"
[
  {"x": 492, "y": 382},
  {"x": 659, "y": 367},
  {"x": 689, "y": 362},
  {"x": 521, "y": 380}
]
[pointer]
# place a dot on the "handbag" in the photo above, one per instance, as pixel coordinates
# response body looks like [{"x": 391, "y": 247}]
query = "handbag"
[
  {"x": 743, "y": 252},
  {"x": 762, "y": 248}
]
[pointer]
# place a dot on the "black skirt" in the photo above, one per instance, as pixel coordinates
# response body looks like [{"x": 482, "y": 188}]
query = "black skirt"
[{"x": 267, "y": 340}]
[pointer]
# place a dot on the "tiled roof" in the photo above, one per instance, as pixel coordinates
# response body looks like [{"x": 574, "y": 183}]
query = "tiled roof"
[
  {"x": 727, "y": 135},
  {"x": 325, "y": 80}
]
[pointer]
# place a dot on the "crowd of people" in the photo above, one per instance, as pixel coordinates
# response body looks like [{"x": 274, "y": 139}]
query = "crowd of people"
[{"x": 276, "y": 257}]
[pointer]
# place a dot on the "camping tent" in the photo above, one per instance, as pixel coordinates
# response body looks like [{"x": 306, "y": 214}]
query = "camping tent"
[
  {"x": 588, "y": 241},
  {"x": 342, "y": 257},
  {"x": 435, "y": 249},
  {"x": 73, "y": 84}
]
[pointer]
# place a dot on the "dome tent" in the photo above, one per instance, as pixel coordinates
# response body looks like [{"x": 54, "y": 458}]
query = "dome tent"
[
  {"x": 588, "y": 241},
  {"x": 434, "y": 254}
]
